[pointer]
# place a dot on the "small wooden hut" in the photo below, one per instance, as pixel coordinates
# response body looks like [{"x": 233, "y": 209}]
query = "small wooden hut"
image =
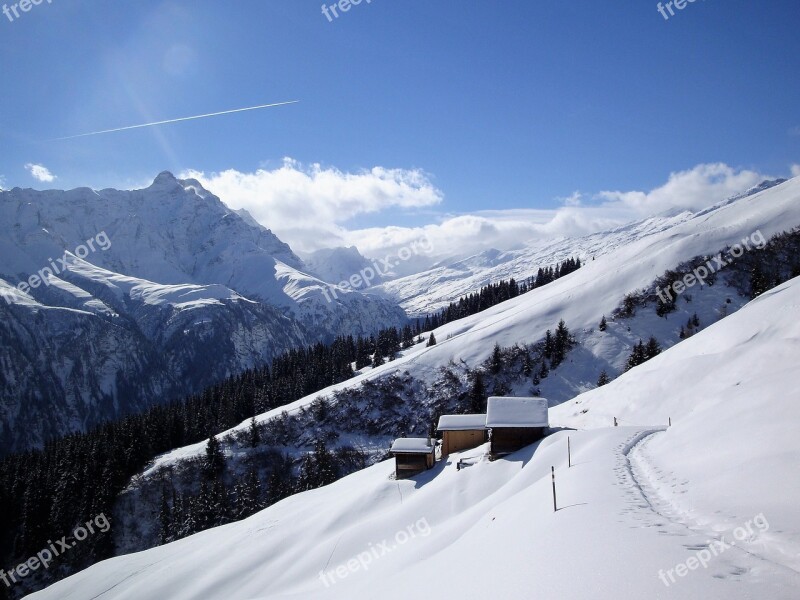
[
  {"x": 413, "y": 456},
  {"x": 462, "y": 432},
  {"x": 515, "y": 422}
]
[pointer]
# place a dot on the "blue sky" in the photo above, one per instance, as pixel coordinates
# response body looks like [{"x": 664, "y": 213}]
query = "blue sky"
[{"x": 463, "y": 107}]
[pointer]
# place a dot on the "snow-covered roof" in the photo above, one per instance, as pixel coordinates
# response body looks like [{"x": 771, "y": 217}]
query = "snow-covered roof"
[
  {"x": 461, "y": 422},
  {"x": 516, "y": 412},
  {"x": 412, "y": 446}
]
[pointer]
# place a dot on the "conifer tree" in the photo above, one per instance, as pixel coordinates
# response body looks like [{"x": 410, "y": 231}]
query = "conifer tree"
[
  {"x": 214, "y": 463},
  {"x": 477, "y": 394},
  {"x": 254, "y": 436},
  {"x": 653, "y": 348},
  {"x": 165, "y": 519},
  {"x": 527, "y": 364},
  {"x": 637, "y": 356},
  {"x": 248, "y": 495},
  {"x": 318, "y": 468},
  {"x": 561, "y": 343},
  {"x": 544, "y": 371},
  {"x": 759, "y": 282},
  {"x": 408, "y": 337},
  {"x": 548, "y": 344},
  {"x": 279, "y": 482},
  {"x": 497, "y": 359}
]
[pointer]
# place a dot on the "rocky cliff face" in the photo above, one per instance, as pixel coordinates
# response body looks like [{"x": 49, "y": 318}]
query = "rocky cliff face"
[{"x": 114, "y": 300}]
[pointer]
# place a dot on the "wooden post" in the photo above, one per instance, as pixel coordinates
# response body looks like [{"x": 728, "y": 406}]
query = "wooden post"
[
  {"x": 670, "y": 421},
  {"x": 569, "y": 454},
  {"x": 553, "y": 473}
]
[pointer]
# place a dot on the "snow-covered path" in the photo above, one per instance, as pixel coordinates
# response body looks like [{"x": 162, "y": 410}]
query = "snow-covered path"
[{"x": 743, "y": 554}]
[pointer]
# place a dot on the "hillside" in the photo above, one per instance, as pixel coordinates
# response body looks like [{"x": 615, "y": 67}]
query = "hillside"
[
  {"x": 432, "y": 289},
  {"x": 505, "y": 345},
  {"x": 657, "y": 497},
  {"x": 583, "y": 297}
]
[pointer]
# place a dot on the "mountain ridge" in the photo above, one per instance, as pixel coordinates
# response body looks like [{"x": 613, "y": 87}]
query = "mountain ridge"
[{"x": 170, "y": 257}]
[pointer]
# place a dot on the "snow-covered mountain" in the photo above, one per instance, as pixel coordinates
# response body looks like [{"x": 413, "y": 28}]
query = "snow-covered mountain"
[
  {"x": 335, "y": 265},
  {"x": 113, "y": 300},
  {"x": 583, "y": 297},
  {"x": 496, "y": 517},
  {"x": 706, "y": 508},
  {"x": 433, "y": 289}
]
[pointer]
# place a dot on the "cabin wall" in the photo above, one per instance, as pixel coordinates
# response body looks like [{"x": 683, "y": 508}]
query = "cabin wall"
[
  {"x": 511, "y": 439},
  {"x": 431, "y": 460},
  {"x": 456, "y": 441},
  {"x": 408, "y": 465}
]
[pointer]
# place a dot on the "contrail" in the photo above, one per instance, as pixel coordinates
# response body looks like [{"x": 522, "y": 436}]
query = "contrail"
[{"x": 216, "y": 114}]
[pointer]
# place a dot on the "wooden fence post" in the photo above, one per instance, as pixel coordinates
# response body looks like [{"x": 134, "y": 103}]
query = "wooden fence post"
[
  {"x": 553, "y": 473},
  {"x": 569, "y": 454}
]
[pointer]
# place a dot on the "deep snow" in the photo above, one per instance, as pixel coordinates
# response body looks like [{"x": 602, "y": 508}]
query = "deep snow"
[{"x": 641, "y": 506}]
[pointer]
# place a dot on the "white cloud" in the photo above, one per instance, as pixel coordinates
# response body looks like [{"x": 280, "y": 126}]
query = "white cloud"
[
  {"x": 574, "y": 199},
  {"x": 795, "y": 170},
  {"x": 310, "y": 208},
  {"x": 40, "y": 173},
  {"x": 306, "y": 206},
  {"x": 2, "y": 182},
  {"x": 505, "y": 230},
  {"x": 693, "y": 189}
]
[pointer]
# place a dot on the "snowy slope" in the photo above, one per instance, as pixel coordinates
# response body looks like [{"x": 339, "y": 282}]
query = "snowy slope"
[
  {"x": 582, "y": 297},
  {"x": 335, "y": 265},
  {"x": 639, "y": 501},
  {"x": 731, "y": 393},
  {"x": 433, "y": 289}
]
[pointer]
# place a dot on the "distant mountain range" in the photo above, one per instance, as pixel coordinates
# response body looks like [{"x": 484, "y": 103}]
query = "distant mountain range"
[
  {"x": 114, "y": 300},
  {"x": 433, "y": 289}
]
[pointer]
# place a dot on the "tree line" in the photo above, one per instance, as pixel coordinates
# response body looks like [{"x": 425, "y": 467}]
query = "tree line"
[{"x": 495, "y": 293}]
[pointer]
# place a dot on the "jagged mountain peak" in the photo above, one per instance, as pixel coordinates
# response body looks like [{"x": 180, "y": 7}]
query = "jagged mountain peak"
[
  {"x": 224, "y": 292},
  {"x": 165, "y": 178}
]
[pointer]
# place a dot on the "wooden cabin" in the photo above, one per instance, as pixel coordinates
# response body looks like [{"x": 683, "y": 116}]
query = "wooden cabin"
[
  {"x": 413, "y": 456},
  {"x": 515, "y": 422},
  {"x": 462, "y": 432}
]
